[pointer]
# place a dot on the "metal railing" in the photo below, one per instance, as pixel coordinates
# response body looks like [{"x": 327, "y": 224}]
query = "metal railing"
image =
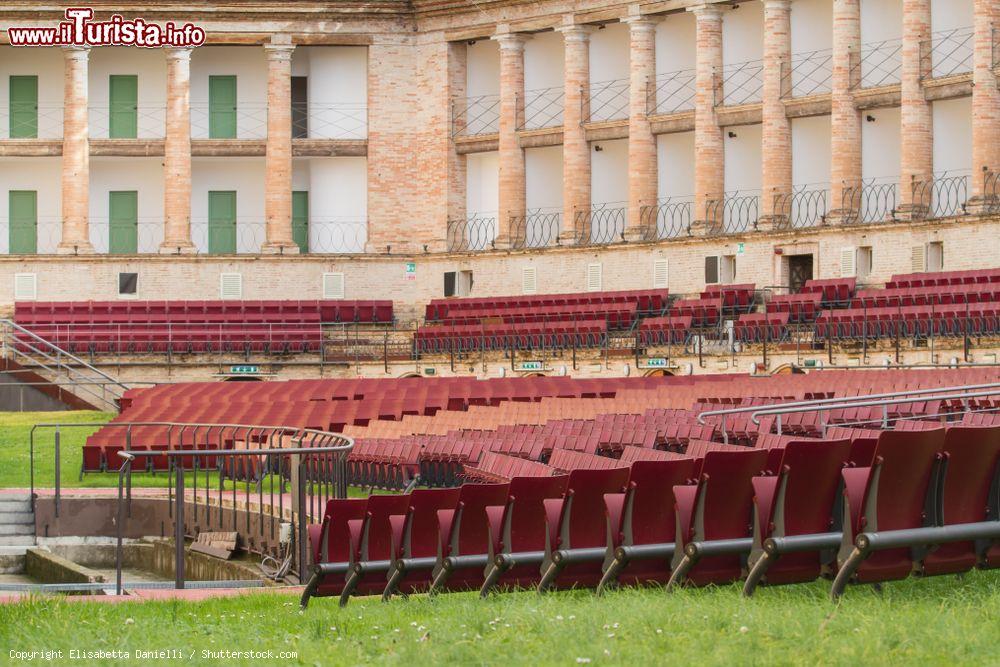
[
  {"x": 807, "y": 74},
  {"x": 879, "y": 64},
  {"x": 64, "y": 370},
  {"x": 802, "y": 208},
  {"x": 477, "y": 232},
  {"x": 149, "y": 121},
  {"x": 543, "y": 108},
  {"x": 31, "y": 121},
  {"x": 472, "y": 116},
  {"x": 335, "y": 120},
  {"x": 943, "y": 196},
  {"x": 45, "y": 240},
  {"x": 991, "y": 191},
  {"x": 537, "y": 229},
  {"x": 249, "y": 120},
  {"x": 669, "y": 219},
  {"x": 609, "y": 100},
  {"x": 601, "y": 224},
  {"x": 733, "y": 213},
  {"x": 145, "y": 236},
  {"x": 741, "y": 83},
  {"x": 672, "y": 92},
  {"x": 869, "y": 201},
  {"x": 948, "y": 52}
]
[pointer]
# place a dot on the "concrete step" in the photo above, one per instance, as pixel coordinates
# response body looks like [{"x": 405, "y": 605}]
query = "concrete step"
[
  {"x": 14, "y": 505},
  {"x": 17, "y": 529},
  {"x": 17, "y": 540},
  {"x": 15, "y": 496},
  {"x": 18, "y": 518}
]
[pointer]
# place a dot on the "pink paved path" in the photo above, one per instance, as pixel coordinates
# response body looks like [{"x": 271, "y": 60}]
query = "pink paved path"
[{"x": 190, "y": 595}]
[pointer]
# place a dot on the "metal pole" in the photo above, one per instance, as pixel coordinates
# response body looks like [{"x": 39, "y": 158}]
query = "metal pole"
[
  {"x": 58, "y": 484},
  {"x": 179, "y": 529},
  {"x": 126, "y": 465}
]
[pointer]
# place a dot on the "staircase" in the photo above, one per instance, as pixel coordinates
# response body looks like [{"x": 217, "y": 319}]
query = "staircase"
[
  {"x": 17, "y": 523},
  {"x": 34, "y": 359}
]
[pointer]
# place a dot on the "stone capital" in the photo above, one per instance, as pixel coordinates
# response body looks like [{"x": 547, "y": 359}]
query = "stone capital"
[
  {"x": 76, "y": 52},
  {"x": 279, "y": 52},
  {"x": 178, "y": 53},
  {"x": 573, "y": 32},
  {"x": 706, "y": 12},
  {"x": 777, "y": 5},
  {"x": 510, "y": 41}
]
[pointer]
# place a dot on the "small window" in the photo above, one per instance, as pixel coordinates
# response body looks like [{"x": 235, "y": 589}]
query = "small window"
[
  {"x": 25, "y": 287},
  {"x": 128, "y": 284},
  {"x": 529, "y": 280},
  {"x": 595, "y": 282},
  {"x": 935, "y": 256},
  {"x": 864, "y": 262},
  {"x": 231, "y": 286},
  {"x": 720, "y": 269},
  {"x": 457, "y": 283},
  {"x": 333, "y": 285}
]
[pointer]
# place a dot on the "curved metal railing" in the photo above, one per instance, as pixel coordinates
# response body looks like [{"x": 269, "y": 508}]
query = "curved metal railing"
[
  {"x": 672, "y": 92},
  {"x": 669, "y": 219},
  {"x": 536, "y": 229},
  {"x": 869, "y": 201},
  {"x": 472, "y": 234},
  {"x": 732, "y": 214},
  {"x": 602, "y": 224},
  {"x": 943, "y": 196},
  {"x": 801, "y": 208}
]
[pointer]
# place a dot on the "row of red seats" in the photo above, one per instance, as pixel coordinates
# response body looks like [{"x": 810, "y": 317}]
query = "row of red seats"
[
  {"x": 761, "y": 327},
  {"x": 645, "y": 301},
  {"x": 932, "y": 278},
  {"x": 179, "y": 339},
  {"x": 462, "y": 338},
  {"x": 733, "y": 297},
  {"x": 926, "y": 296},
  {"x": 801, "y": 308},
  {"x": 836, "y": 292},
  {"x": 618, "y": 316},
  {"x": 910, "y": 321},
  {"x": 666, "y": 330}
]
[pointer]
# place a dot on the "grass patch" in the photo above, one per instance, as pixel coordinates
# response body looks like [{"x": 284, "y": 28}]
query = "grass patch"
[{"x": 933, "y": 621}]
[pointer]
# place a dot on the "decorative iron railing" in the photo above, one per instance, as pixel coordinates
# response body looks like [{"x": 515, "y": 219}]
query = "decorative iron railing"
[
  {"x": 601, "y": 224},
  {"x": 991, "y": 191},
  {"x": 948, "y": 52},
  {"x": 801, "y": 208},
  {"x": 30, "y": 120},
  {"x": 733, "y": 213},
  {"x": 741, "y": 83},
  {"x": 472, "y": 234},
  {"x": 669, "y": 219},
  {"x": 807, "y": 74},
  {"x": 245, "y": 121},
  {"x": 143, "y": 121},
  {"x": 124, "y": 239},
  {"x": 473, "y": 116},
  {"x": 943, "y": 196},
  {"x": 329, "y": 121},
  {"x": 42, "y": 240},
  {"x": 880, "y": 64},
  {"x": 672, "y": 92},
  {"x": 334, "y": 236},
  {"x": 536, "y": 229},
  {"x": 869, "y": 201},
  {"x": 609, "y": 100},
  {"x": 543, "y": 108}
]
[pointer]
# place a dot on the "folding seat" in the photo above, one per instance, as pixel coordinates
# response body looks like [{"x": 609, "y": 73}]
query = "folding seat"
[
  {"x": 895, "y": 492},
  {"x": 713, "y": 518},
  {"x": 332, "y": 548},
  {"x": 93, "y": 460}
]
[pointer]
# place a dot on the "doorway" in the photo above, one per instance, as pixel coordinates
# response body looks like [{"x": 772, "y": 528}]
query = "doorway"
[{"x": 800, "y": 269}]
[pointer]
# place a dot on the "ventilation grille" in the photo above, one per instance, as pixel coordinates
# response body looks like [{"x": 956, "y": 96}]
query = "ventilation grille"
[
  {"x": 917, "y": 259},
  {"x": 25, "y": 286},
  {"x": 848, "y": 262},
  {"x": 594, "y": 278},
  {"x": 529, "y": 280},
  {"x": 231, "y": 286},
  {"x": 333, "y": 285},
  {"x": 660, "y": 274}
]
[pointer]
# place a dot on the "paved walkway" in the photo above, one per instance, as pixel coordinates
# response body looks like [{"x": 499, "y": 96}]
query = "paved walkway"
[{"x": 190, "y": 595}]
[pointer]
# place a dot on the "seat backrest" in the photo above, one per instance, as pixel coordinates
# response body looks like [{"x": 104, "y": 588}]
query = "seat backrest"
[
  {"x": 651, "y": 486},
  {"x": 473, "y": 530},
  {"x": 907, "y": 460},
  {"x": 338, "y": 513},
  {"x": 422, "y": 521},
  {"x": 378, "y": 545},
  {"x": 729, "y": 491},
  {"x": 811, "y": 491},
  {"x": 973, "y": 457},
  {"x": 527, "y": 511},
  {"x": 584, "y": 505}
]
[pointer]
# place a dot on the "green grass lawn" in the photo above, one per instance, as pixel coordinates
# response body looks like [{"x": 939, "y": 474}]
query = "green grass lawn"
[{"x": 938, "y": 621}]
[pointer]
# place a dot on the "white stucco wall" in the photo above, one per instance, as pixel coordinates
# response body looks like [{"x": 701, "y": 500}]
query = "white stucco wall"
[
  {"x": 543, "y": 80},
  {"x": 145, "y": 177},
  {"x": 880, "y": 144},
  {"x": 150, "y": 68},
  {"x": 743, "y": 158},
  {"x": 609, "y": 72},
  {"x": 337, "y": 202},
  {"x": 47, "y": 65},
  {"x": 482, "y": 75},
  {"x": 675, "y": 157},
  {"x": 952, "y": 135},
  {"x": 881, "y": 21},
  {"x": 675, "y": 43},
  {"x": 952, "y": 40},
  {"x": 543, "y": 178},
  {"x": 743, "y": 33},
  {"x": 249, "y": 65},
  {"x": 609, "y": 172},
  {"x": 811, "y": 152},
  {"x": 482, "y": 179},
  {"x": 812, "y": 25},
  {"x": 950, "y": 14},
  {"x": 337, "y": 89},
  {"x": 245, "y": 176},
  {"x": 43, "y": 175}
]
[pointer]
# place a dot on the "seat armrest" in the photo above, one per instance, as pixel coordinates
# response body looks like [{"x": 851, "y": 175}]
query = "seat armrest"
[
  {"x": 856, "y": 484},
  {"x": 685, "y": 498},
  {"x": 765, "y": 489},
  {"x": 354, "y": 529},
  {"x": 445, "y": 521},
  {"x": 614, "y": 504},
  {"x": 494, "y": 520},
  {"x": 397, "y": 527},
  {"x": 553, "y": 512}
]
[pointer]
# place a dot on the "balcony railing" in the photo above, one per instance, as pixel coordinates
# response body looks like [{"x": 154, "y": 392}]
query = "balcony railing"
[
  {"x": 245, "y": 121},
  {"x": 880, "y": 64},
  {"x": 336, "y": 236},
  {"x": 329, "y": 121},
  {"x": 870, "y": 201},
  {"x": 943, "y": 196},
  {"x": 807, "y": 74},
  {"x": 609, "y": 100},
  {"x": 42, "y": 238},
  {"x": 948, "y": 52},
  {"x": 733, "y": 213},
  {"x": 669, "y": 219},
  {"x": 475, "y": 233},
  {"x": 537, "y": 229},
  {"x": 145, "y": 121},
  {"x": 123, "y": 239},
  {"x": 473, "y": 116},
  {"x": 672, "y": 92},
  {"x": 31, "y": 121},
  {"x": 741, "y": 83},
  {"x": 601, "y": 224},
  {"x": 804, "y": 207},
  {"x": 543, "y": 108}
]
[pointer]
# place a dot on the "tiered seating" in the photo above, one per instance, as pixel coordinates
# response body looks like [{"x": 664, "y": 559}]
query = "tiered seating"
[
  {"x": 735, "y": 298},
  {"x": 558, "y": 334},
  {"x": 180, "y": 327},
  {"x": 939, "y": 278},
  {"x": 760, "y": 327},
  {"x": 836, "y": 292},
  {"x": 645, "y": 301},
  {"x": 704, "y": 312},
  {"x": 667, "y": 330},
  {"x": 801, "y": 308},
  {"x": 927, "y": 296},
  {"x": 910, "y": 322}
]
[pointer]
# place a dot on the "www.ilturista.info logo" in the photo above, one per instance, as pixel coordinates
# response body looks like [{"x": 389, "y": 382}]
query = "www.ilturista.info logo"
[{"x": 79, "y": 30}]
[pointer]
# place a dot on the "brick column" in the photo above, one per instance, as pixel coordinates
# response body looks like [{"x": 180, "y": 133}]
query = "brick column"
[
  {"x": 642, "y": 179},
  {"x": 776, "y": 142},
  {"x": 278, "y": 160},
  {"x": 177, "y": 155},
  {"x": 845, "y": 120},
  {"x": 511, "y": 194},
  {"x": 709, "y": 161},
  {"x": 576, "y": 150},
  {"x": 75, "y": 155},
  {"x": 985, "y": 106},
  {"x": 917, "y": 144}
]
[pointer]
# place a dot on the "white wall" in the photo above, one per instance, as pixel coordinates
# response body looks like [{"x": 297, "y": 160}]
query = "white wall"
[
  {"x": 543, "y": 168},
  {"x": 812, "y": 25},
  {"x": 950, "y": 14},
  {"x": 675, "y": 157},
  {"x": 609, "y": 53},
  {"x": 47, "y": 65},
  {"x": 952, "y": 135},
  {"x": 145, "y": 176},
  {"x": 482, "y": 182},
  {"x": 881, "y": 20},
  {"x": 243, "y": 174},
  {"x": 482, "y": 76},
  {"x": 543, "y": 61},
  {"x": 43, "y": 175},
  {"x": 337, "y": 89},
  {"x": 337, "y": 195},
  {"x": 880, "y": 144},
  {"x": 675, "y": 43},
  {"x": 743, "y": 158},
  {"x": 609, "y": 172},
  {"x": 811, "y": 152},
  {"x": 743, "y": 33},
  {"x": 249, "y": 65},
  {"x": 150, "y": 67},
  {"x": 951, "y": 25}
]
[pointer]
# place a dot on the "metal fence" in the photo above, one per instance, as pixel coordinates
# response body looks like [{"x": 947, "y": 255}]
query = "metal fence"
[
  {"x": 733, "y": 213},
  {"x": 537, "y": 229},
  {"x": 943, "y": 196},
  {"x": 869, "y": 201},
  {"x": 879, "y": 64},
  {"x": 543, "y": 108},
  {"x": 31, "y": 121},
  {"x": 142, "y": 121},
  {"x": 473, "y": 116},
  {"x": 801, "y": 208},
  {"x": 474, "y": 233},
  {"x": 947, "y": 53},
  {"x": 807, "y": 74},
  {"x": 338, "y": 120},
  {"x": 601, "y": 224},
  {"x": 249, "y": 120},
  {"x": 741, "y": 83},
  {"x": 669, "y": 219},
  {"x": 609, "y": 100},
  {"x": 672, "y": 92}
]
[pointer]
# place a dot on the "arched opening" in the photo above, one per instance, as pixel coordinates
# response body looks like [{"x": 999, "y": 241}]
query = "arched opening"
[
  {"x": 787, "y": 369},
  {"x": 658, "y": 373},
  {"x": 405, "y": 376},
  {"x": 242, "y": 378}
]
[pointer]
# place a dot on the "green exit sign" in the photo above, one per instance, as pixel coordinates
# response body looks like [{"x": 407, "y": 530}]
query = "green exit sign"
[
  {"x": 656, "y": 362},
  {"x": 530, "y": 366},
  {"x": 244, "y": 370}
]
